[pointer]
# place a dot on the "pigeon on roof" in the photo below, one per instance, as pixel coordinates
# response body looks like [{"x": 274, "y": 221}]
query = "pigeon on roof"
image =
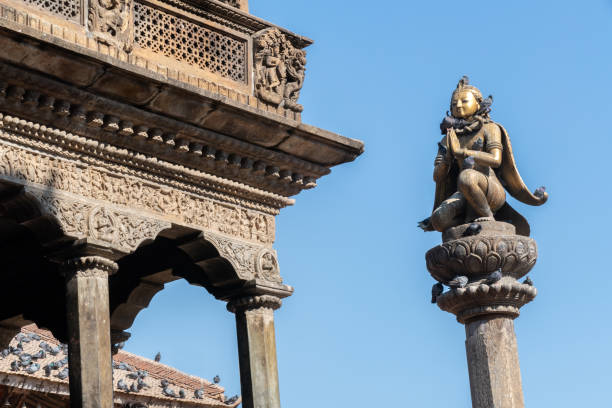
[
  {"x": 199, "y": 394},
  {"x": 158, "y": 357},
  {"x": 62, "y": 375},
  {"x": 217, "y": 379}
]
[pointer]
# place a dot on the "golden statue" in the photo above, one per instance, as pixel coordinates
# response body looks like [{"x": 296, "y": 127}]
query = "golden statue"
[{"x": 475, "y": 166}]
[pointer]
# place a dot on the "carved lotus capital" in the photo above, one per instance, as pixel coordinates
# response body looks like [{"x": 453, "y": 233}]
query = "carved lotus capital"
[
  {"x": 254, "y": 302},
  {"x": 505, "y": 297},
  {"x": 89, "y": 267},
  {"x": 494, "y": 247}
]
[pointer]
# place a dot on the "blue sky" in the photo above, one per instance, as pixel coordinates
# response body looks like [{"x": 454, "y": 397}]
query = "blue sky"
[{"x": 359, "y": 330}]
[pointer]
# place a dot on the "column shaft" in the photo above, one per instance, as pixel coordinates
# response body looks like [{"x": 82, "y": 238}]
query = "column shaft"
[
  {"x": 493, "y": 363},
  {"x": 257, "y": 351},
  {"x": 89, "y": 346}
]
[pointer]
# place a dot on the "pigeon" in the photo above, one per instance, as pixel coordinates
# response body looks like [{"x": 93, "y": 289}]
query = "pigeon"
[
  {"x": 217, "y": 379},
  {"x": 124, "y": 366},
  {"x": 158, "y": 357},
  {"x": 425, "y": 225},
  {"x": 442, "y": 150},
  {"x": 164, "y": 383},
  {"x": 169, "y": 392},
  {"x": 15, "y": 365},
  {"x": 63, "y": 362},
  {"x": 142, "y": 373},
  {"x": 62, "y": 375},
  {"x": 528, "y": 281},
  {"x": 25, "y": 359},
  {"x": 232, "y": 400},
  {"x": 181, "y": 393},
  {"x": 458, "y": 282},
  {"x": 32, "y": 368},
  {"x": 54, "y": 365},
  {"x": 5, "y": 352},
  {"x": 121, "y": 345},
  {"x": 40, "y": 354},
  {"x": 122, "y": 385},
  {"x": 477, "y": 145},
  {"x": 141, "y": 384},
  {"x": 47, "y": 370},
  {"x": 15, "y": 350},
  {"x": 20, "y": 337},
  {"x": 134, "y": 387},
  {"x": 132, "y": 375},
  {"x": 540, "y": 192},
  {"x": 472, "y": 229},
  {"x": 199, "y": 394},
  {"x": 469, "y": 162},
  {"x": 34, "y": 336},
  {"x": 485, "y": 105},
  {"x": 436, "y": 291},
  {"x": 54, "y": 351},
  {"x": 494, "y": 277}
]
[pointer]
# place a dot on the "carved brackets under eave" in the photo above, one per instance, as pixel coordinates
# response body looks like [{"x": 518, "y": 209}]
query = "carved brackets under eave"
[
  {"x": 112, "y": 22},
  {"x": 99, "y": 224},
  {"x": 249, "y": 261}
]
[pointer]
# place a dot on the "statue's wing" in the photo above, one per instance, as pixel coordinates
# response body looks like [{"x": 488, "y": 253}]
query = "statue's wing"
[
  {"x": 510, "y": 177},
  {"x": 508, "y": 214},
  {"x": 447, "y": 187}
]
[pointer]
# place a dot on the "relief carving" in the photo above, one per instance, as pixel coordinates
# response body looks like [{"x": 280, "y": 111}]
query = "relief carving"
[
  {"x": 239, "y": 254},
  {"x": 266, "y": 267},
  {"x": 279, "y": 70},
  {"x": 95, "y": 183},
  {"x": 111, "y": 21}
]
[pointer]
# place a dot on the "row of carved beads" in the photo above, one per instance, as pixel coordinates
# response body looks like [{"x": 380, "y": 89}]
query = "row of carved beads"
[
  {"x": 479, "y": 256},
  {"x": 254, "y": 302},
  {"x": 214, "y": 158}
]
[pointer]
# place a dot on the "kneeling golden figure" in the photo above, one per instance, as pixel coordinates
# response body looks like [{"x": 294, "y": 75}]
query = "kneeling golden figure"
[{"x": 473, "y": 166}]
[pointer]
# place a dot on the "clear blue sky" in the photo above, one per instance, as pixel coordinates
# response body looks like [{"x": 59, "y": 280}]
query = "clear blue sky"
[{"x": 360, "y": 331}]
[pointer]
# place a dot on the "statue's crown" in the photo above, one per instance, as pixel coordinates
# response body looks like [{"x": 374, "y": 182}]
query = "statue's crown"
[{"x": 464, "y": 85}]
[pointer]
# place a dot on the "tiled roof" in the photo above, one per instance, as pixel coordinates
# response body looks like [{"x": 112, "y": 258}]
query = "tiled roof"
[{"x": 36, "y": 354}]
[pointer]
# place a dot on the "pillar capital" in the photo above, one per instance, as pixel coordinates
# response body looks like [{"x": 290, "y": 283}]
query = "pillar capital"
[
  {"x": 505, "y": 297},
  {"x": 251, "y": 302},
  {"x": 89, "y": 267}
]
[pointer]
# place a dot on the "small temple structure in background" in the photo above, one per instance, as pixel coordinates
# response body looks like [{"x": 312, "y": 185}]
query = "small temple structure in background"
[{"x": 34, "y": 373}]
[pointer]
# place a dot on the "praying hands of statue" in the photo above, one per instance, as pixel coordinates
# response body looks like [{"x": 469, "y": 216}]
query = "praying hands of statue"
[{"x": 483, "y": 158}]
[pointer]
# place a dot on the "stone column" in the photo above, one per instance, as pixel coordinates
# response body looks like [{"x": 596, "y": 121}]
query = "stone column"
[
  {"x": 257, "y": 350},
  {"x": 89, "y": 345},
  {"x": 487, "y": 302}
]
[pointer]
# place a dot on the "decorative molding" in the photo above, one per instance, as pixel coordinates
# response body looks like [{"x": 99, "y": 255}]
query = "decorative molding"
[
  {"x": 43, "y": 172},
  {"x": 89, "y": 267},
  {"x": 248, "y": 303},
  {"x": 505, "y": 297},
  {"x": 279, "y": 69},
  {"x": 240, "y": 255}
]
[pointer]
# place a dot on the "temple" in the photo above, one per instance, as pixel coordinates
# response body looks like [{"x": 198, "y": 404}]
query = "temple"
[{"x": 141, "y": 142}]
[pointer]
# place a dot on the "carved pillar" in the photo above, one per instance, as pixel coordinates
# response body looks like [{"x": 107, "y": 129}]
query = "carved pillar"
[
  {"x": 487, "y": 304},
  {"x": 89, "y": 345},
  {"x": 257, "y": 350}
]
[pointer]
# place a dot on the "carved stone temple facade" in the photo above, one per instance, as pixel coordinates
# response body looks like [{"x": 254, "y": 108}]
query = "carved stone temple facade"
[{"x": 141, "y": 142}]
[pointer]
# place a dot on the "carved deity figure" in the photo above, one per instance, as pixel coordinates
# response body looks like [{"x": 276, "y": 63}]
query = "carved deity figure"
[
  {"x": 475, "y": 167},
  {"x": 111, "y": 22},
  {"x": 280, "y": 70}
]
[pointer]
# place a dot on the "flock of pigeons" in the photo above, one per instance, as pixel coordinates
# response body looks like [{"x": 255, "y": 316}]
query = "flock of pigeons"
[
  {"x": 30, "y": 362},
  {"x": 134, "y": 381}
]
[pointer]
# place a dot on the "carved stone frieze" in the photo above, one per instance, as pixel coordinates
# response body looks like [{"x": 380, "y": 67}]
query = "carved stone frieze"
[
  {"x": 112, "y": 22},
  {"x": 99, "y": 224},
  {"x": 241, "y": 255},
  {"x": 58, "y": 174},
  {"x": 279, "y": 69}
]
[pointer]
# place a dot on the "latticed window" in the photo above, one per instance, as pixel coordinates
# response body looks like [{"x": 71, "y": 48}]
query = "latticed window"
[
  {"x": 188, "y": 42},
  {"x": 68, "y": 9}
]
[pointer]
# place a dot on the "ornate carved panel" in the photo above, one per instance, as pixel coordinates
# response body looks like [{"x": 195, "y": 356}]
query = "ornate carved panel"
[
  {"x": 190, "y": 43},
  {"x": 279, "y": 69},
  {"x": 111, "y": 21},
  {"x": 68, "y": 9}
]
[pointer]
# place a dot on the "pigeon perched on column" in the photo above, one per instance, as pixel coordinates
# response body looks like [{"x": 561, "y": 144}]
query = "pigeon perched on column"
[
  {"x": 528, "y": 281},
  {"x": 458, "y": 282},
  {"x": 494, "y": 277},
  {"x": 436, "y": 291},
  {"x": 472, "y": 229}
]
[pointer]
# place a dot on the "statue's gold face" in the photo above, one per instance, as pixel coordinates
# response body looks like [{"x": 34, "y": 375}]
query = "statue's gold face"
[{"x": 464, "y": 105}]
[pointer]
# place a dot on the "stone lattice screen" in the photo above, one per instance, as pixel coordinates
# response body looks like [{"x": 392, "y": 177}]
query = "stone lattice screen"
[
  {"x": 191, "y": 43},
  {"x": 68, "y": 9}
]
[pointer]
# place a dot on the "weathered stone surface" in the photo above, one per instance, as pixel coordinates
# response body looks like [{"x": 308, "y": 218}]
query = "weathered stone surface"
[
  {"x": 89, "y": 345},
  {"x": 126, "y": 88},
  {"x": 492, "y": 354},
  {"x": 257, "y": 350}
]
